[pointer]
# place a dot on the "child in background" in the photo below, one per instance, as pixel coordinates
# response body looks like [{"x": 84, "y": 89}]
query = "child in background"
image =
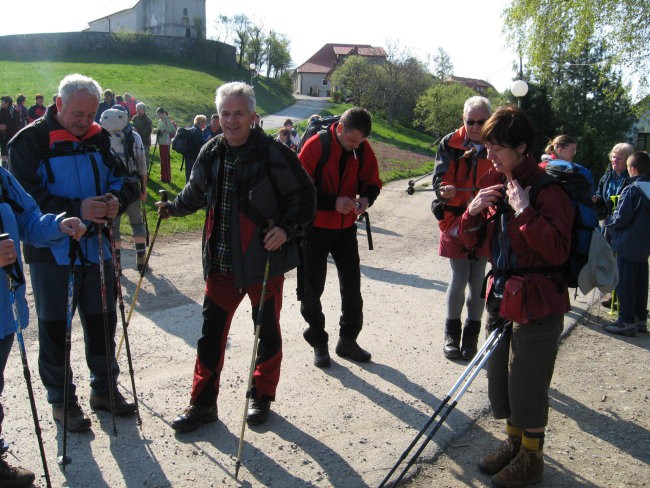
[{"x": 630, "y": 228}]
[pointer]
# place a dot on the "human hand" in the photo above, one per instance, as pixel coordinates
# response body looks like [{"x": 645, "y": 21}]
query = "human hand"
[
  {"x": 163, "y": 211},
  {"x": 8, "y": 254},
  {"x": 274, "y": 238},
  {"x": 447, "y": 192},
  {"x": 95, "y": 209},
  {"x": 73, "y": 227},
  {"x": 486, "y": 197},
  {"x": 362, "y": 205},
  {"x": 345, "y": 205},
  {"x": 518, "y": 197},
  {"x": 112, "y": 205}
]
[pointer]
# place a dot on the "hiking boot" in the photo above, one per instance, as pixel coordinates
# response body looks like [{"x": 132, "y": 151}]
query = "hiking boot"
[
  {"x": 495, "y": 461},
  {"x": 193, "y": 416},
  {"x": 103, "y": 402},
  {"x": 471, "y": 332},
  {"x": 348, "y": 348},
  {"x": 258, "y": 411},
  {"x": 322, "y": 356},
  {"x": 11, "y": 476},
  {"x": 527, "y": 468},
  {"x": 140, "y": 259},
  {"x": 621, "y": 328},
  {"x": 641, "y": 327},
  {"x": 451, "y": 346},
  {"x": 77, "y": 419}
]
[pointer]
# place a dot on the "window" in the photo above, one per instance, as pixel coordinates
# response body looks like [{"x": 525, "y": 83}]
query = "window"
[
  {"x": 324, "y": 81},
  {"x": 185, "y": 12}
]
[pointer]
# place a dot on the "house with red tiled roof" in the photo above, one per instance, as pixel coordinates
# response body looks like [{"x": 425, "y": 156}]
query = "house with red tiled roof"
[
  {"x": 478, "y": 86},
  {"x": 312, "y": 77}
]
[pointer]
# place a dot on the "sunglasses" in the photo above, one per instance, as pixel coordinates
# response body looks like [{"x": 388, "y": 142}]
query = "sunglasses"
[{"x": 471, "y": 122}]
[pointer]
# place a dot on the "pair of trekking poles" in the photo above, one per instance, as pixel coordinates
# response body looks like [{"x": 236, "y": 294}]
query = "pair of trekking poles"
[{"x": 459, "y": 389}]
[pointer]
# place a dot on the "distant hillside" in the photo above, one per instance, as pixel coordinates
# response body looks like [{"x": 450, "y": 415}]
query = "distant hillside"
[{"x": 183, "y": 91}]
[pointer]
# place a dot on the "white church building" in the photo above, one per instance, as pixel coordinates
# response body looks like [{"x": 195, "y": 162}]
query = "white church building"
[{"x": 176, "y": 18}]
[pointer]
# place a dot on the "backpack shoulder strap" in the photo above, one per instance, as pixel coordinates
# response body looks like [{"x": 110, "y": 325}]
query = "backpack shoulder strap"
[{"x": 539, "y": 183}]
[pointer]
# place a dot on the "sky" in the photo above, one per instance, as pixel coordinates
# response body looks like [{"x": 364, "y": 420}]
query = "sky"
[{"x": 470, "y": 31}]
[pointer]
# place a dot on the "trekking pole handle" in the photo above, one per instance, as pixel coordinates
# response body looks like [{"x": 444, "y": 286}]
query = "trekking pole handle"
[{"x": 163, "y": 195}]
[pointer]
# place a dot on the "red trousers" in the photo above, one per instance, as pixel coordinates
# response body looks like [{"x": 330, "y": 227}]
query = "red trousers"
[
  {"x": 222, "y": 298},
  {"x": 165, "y": 164}
]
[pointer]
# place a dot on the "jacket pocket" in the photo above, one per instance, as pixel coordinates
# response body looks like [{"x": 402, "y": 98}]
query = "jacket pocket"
[{"x": 514, "y": 299}]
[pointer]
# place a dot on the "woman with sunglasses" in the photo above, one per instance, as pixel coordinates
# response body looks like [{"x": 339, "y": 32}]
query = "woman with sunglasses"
[{"x": 460, "y": 164}]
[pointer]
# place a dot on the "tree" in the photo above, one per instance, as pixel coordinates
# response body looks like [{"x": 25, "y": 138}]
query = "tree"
[
  {"x": 241, "y": 27},
  {"x": 443, "y": 68},
  {"x": 277, "y": 56},
  {"x": 355, "y": 76},
  {"x": 547, "y": 30},
  {"x": 256, "y": 45},
  {"x": 439, "y": 111},
  {"x": 223, "y": 27}
]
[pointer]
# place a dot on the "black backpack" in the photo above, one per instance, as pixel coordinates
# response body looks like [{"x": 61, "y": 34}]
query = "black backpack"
[
  {"x": 315, "y": 126},
  {"x": 181, "y": 142}
]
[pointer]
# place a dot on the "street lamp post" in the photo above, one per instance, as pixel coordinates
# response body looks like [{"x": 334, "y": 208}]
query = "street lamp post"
[
  {"x": 252, "y": 68},
  {"x": 519, "y": 89}
]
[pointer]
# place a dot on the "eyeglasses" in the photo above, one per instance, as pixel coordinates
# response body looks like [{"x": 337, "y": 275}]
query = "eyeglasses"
[{"x": 471, "y": 122}]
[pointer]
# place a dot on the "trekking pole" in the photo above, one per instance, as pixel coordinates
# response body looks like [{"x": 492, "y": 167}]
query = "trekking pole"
[
  {"x": 258, "y": 327},
  {"x": 163, "y": 198},
  {"x": 368, "y": 231},
  {"x": 465, "y": 380},
  {"x": 411, "y": 185},
  {"x": 64, "y": 459},
  {"x": 107, "y": 339},
  {"x": 125, "y": 324},
  {"x": 15, "y": 278},
  {"x": 146, "y": 224},
  {"x": 152, "y": 156}
]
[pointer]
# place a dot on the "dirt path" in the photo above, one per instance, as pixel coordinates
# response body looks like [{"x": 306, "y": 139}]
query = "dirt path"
[{"x": 340, "y": 427}]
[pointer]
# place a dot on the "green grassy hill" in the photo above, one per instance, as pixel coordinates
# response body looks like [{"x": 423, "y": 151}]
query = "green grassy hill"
[{"x": 183, "y": 91}]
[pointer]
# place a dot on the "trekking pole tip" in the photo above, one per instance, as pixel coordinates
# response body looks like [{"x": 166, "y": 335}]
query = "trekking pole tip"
[
  {"x": 237, "y": 466},
  {"x": 64, "y": 460}
]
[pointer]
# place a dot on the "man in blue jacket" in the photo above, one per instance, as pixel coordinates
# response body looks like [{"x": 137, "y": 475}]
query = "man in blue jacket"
[{"x": 63, "y": 160}]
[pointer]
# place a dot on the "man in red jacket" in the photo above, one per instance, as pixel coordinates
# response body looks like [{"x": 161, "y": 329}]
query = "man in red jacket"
[{"x": 345, "y": 171}]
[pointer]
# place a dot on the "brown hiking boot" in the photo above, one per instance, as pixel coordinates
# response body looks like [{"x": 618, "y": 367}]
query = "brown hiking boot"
[
  {"x": 527, "y": 468},
  {"x": 77, "y": 419},
  {"x": 494, "y": 462},
  {"x": 14, "y": 476}
]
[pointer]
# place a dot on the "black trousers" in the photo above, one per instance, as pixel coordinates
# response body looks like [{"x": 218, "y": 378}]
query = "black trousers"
[{"x": 342, "y": 244}]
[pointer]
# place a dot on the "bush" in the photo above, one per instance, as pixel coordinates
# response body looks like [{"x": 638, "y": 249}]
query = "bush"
[{"x": 337, "y": 96}]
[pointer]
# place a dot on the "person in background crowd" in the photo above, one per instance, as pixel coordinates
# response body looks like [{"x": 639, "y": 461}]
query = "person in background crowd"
[
  {"x": 130, "y": 103},
  {"x": 284, "y": 136},
  {"x": 164, "y": 133},
  {"x": 143, "y": 125},
  {"x": 194, "y": 143},
  {"x": 294, "y": 139},
  {"x": 561, "y": 147},
  {"x": 22, "y": 110},
  {"x": 37, "y": 110},
  {"x": 9, "y": 124},
  {"x": 346, "y": 186},
  {"x": 21, "y": 219},
  {"x": 213, "y": 130},
  {"x": 258, "y": 201},
  {"x": 612, "y": 181},
  {"x": 528, "y": 305},
  {"x": 460, "y": 164},
  {"x": 630, "y": 228},
  {"x": 109, "y": 102}
]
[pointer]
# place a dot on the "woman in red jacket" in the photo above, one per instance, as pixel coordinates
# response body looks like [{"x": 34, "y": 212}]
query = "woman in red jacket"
[
  {"x": 460, "y": 164},
  {"x": 528, "y": 242}
]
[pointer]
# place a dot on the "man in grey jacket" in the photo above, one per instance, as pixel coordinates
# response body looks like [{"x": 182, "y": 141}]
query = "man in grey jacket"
[{"x": 258, "y": 200}]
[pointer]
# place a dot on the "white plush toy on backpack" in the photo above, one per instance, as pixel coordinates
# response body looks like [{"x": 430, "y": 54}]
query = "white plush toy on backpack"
[{"x": 125, "y": 143}]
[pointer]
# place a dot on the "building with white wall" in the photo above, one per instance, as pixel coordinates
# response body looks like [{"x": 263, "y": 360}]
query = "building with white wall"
[{"x": 175, "y": 18}]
